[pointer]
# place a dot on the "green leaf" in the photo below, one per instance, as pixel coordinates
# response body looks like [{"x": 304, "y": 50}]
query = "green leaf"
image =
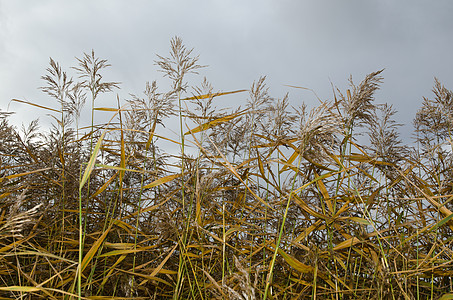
[{"x": 442, "y": 222}]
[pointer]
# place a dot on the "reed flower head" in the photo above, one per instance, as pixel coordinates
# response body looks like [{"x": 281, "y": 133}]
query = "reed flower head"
[
  {"x": 358, "y": 107},
  {"x": 318, "y": 129},
  {"x": 178, "y": 64},
  {"x": 89, "y": 67},
  {"x": 384, "y": 136},
  {"x": 16, "y": 219}
]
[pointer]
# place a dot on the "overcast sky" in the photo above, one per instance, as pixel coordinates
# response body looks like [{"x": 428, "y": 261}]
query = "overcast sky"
[{"x": 303, "y": 43}]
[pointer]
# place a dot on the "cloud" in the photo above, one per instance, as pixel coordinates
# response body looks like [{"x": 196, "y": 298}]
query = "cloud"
[{"x": 306, "y": 43}]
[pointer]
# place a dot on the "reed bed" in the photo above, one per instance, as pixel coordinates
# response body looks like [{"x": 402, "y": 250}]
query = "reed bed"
[{"x": 265, "y": 201}]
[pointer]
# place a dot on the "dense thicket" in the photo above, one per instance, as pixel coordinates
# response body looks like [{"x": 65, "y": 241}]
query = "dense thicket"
[{"x": 264, "y": 201}]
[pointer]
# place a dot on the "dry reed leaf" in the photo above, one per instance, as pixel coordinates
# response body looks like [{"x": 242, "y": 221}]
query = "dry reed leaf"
[
  {"x": 161, "y": 265},
  {"x": 346, "y": 244},
  {"x": 23, "y": 174},
  {"x": 121, "y": 169},
  {"x": 162, "y": 180},
  {"x": 370, "y": 199},
  {"x": 148, "y": 209},
  {"x": 216, "y": 122},
  {"x": 94, "y": 248},
  {"x": 24, "y": 289},
  {"x": 307, "y": 208},
  {"x": 294, "y": 262},
  {"x": 15, "y": 244},
  {"x": 212, "y": 95},
  {"x": 289, "y": 163},
  {"x": 232, "y": 230},
  {"x": 42, "y": 253},
  {"x": 324, "y": 193},
  {"x": 151, "y": 134},
  {"x": 4, "y": 195},
  {"x": 307, "y": 231},
  {"x": 359, "y": 220},
  {"x": 127, "y": 227},
  {"x": 111, "y": 269},
  {"x": 107, "y": 109},
  {"x": 228, "y": 165},
  {"x": 148, "y": 278},
  {"x": 121, "y": 252},
  {"x": 217, "y": 286},
  {"x": 119, "y": 246},
  {"x": 298, "y": 87},
  {"x": 104, "y": 186},
  {"x": 342, "y": 209},
  {"x": 36, "y": 105},
  {"x": 340, "y": 262},
  {"x": 198, "y": 212}
]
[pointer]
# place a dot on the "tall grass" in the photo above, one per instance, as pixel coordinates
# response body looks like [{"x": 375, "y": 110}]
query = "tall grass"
[{"x": 261, "y": 202}]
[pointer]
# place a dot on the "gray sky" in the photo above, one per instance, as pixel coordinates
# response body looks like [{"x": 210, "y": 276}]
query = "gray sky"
[{"x": 303, "y": 43}]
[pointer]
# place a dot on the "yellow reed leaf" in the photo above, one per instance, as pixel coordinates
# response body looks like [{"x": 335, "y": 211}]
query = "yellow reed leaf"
[
  {"x": 90, "y": 254},
  {"x": 23, "y": 174},
  {"x": 161, "y": 181},
  {"x": 360, "y": 220},
  {"x": 295, "y": 263},
  {"x": 215, "y": 122},
  {"x": 212, "y": 95},
  {"x": 90, "y": 165},
  {"x": 36, "y": 105},
  {"x": 290, "y": 161},
  {"x": 106, "y": 109},
  {"x": 25, "y": 289},
  {"x": 346, "y": 244}
]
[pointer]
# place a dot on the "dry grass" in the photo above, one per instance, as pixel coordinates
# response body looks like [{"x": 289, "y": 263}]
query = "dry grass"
[{"x": 262, "y": 202}]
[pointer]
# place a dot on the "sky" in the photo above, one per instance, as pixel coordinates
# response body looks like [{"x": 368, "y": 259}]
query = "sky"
[{"x": 312, "y": 44}]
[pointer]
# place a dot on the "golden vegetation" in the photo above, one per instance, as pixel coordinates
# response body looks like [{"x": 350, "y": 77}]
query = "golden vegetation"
[{"x": 263, "y": 202}]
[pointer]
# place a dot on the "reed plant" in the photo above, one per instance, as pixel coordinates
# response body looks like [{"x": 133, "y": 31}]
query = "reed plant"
[{"x": 264, "y": 201}]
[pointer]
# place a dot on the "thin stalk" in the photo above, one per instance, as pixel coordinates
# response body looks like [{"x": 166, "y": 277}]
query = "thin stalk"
[
  {"x": 181, "y": 258},
  {"x": 79, "y": 268},
  {"x": 274, "y": 257}
]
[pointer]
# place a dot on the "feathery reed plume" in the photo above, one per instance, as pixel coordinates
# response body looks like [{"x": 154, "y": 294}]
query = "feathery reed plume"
[
  {"x": 384, "y": 136},
  {"x": 77, "y": 99},
  {"x": 179, "y": 64},
  {"x": 243, "y": 288},
  {"x": 16, "y": 219},
  {"x": 89, "y": 67},
  {"x": 280, "y": 120},
  {"x": 358, "y": 107},
  {"x": 58, "y": 84},
  {"x": 154, "y": 107},
  {"x": 317, "y": 131},
  {"x": 433, "y": 121},
  {"x": 257, "y": 104}
]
